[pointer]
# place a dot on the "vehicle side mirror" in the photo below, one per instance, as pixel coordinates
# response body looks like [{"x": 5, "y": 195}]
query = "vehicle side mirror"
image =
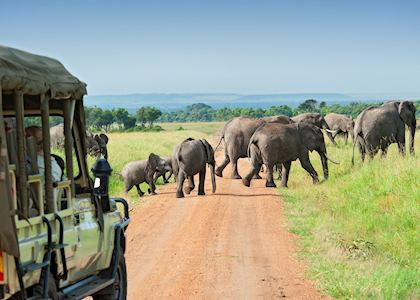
[{"x": 102, "y": 170}]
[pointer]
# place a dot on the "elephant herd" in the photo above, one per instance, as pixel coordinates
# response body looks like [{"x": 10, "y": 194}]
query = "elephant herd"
[{"x": 273, "y": 142}]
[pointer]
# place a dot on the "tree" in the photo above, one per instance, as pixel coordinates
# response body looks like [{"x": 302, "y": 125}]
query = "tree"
[
  {"x": 152, "y": 114},
  {"x": 129, "y": 122},
  {"x": 309, "y": 105},
  {"x": 120, "y": 115},
  {"x": 141, "y": 116}
]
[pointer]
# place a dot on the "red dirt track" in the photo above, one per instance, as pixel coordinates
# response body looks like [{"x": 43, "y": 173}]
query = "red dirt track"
[{"x": 228, "y": 245}]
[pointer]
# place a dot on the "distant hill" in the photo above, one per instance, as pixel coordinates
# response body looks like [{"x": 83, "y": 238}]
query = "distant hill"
[{"x": 170, "y": 102}]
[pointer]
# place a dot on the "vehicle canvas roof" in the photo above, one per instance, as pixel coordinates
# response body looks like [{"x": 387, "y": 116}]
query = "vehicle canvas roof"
[{"x": 35, "y": 74}]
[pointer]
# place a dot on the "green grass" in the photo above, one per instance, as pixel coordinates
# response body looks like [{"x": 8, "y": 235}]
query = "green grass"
[
  {"x": 359, "y": 231},
  {"x": 126, "y": 147}
]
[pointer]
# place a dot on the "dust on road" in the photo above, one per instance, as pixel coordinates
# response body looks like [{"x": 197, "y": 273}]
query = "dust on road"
[{"x": 228, "y": 245}]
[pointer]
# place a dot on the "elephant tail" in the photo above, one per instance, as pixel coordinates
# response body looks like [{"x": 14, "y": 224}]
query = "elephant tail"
[{"x": 220, "y": 140}]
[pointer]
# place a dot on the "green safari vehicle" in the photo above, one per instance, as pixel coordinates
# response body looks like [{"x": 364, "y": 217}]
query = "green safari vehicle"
[{"x": 60, "y": 237}]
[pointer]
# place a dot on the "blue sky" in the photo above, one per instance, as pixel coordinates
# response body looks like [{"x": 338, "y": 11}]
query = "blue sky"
[{"x": 119, "y": 47}]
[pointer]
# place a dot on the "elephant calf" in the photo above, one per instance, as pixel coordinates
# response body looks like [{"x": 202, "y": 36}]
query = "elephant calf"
[
  {"x": 192, "y": 156},
  {"x": 273, "y": 144},
  {"x": 165, "y": 177},
  {"x": 139, "y": 171}
]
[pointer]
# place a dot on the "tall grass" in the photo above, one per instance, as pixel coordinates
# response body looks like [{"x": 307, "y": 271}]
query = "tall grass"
[{"x": 360, "y": 229}]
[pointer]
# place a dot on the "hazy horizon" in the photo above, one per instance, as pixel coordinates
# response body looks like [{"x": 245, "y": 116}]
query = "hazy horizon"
[{"x": 241, "y": 47}]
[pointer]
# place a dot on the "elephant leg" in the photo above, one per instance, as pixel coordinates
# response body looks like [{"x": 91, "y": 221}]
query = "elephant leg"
[
  {"x": 152, "y": 187},
  {"x": 401, "y": 143},
  {"x": 235, "y": 174},
  {"x": 180, "y": 183},
  {"x": 139, "y": 191},
  {"x": 202, "y": 177},
  {"x": 346, "y": 137},
  {"x": 164, "y": 178},
  {"x": 270, "y": 179},
  {"x": 285, "y": 173},
  {"x": 191, "y": 185},
  {"x": 279, "y": 169},
  {"x": 222, "y": 166},
  {"x": 255, "y": 168},
  {"x": 361, "y": 147},
  {"x": 306, "y": 164}
]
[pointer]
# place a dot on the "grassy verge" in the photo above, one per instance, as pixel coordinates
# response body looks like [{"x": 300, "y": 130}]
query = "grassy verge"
[
  {"x": 359, "y": 231},
  {"x": 126, "y": 147}
]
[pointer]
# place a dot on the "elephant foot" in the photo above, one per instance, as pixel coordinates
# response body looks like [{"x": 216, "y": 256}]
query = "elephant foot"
[
  {"x": 257, "y": 176},
  {"x": 270, "y": 184},
  {"x": 315, "y": 180},
  {"x": 236, "y": 176},
  {"x": 187, "y": 190},
  {"x": 166, "y": 181},
  {"x": 246, "y": 182},
  {"x": 140, "y": 194},
  {"x": 180, "y": 194},
  {"x": 218, "y": 172},
  {"x": 201, "y": 193}
]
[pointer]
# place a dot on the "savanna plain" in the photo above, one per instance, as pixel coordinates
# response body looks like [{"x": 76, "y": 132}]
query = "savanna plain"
[{"x": 358, "y": 232}]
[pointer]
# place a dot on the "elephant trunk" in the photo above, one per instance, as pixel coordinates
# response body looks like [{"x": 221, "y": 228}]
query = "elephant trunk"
[
  {"x": 213, "y": 178},
  {"x": 412, "y": 135},
  {"x": 329, "y": 134}
]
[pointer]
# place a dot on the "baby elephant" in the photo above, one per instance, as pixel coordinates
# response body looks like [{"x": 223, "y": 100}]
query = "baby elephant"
[
  {"x": 139, "y": 171},
  {"x": 191, "y": 158},
  {"x": 165, "y": 176}
]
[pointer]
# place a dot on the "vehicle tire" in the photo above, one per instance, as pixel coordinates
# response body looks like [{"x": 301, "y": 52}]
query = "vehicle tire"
[
  {"x": 52, "y": 288},
  {"x": 118, "y": 290}
]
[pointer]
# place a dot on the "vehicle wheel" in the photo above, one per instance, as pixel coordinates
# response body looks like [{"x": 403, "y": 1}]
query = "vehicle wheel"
[
  {"x": 52, "y": 288},
  {"x": 118, "y": 290}
]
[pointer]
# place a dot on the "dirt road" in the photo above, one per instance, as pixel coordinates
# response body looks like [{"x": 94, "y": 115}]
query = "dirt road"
[{"x": 230, "y": 245}]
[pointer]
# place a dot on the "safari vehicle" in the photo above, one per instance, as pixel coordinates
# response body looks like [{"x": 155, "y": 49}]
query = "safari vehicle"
[{"x": 60, "y": 239}]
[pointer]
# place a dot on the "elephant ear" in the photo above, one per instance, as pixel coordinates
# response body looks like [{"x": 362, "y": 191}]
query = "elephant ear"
[
  {"x": 407, "y": 112},
  {"x": 152, "y": 164},
  {"x": 104, "y": 137},
  {"x": 209, "y": 152}
]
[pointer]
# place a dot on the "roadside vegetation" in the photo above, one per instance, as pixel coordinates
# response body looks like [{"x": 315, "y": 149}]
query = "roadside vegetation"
[{"x": 359, "y": 231}]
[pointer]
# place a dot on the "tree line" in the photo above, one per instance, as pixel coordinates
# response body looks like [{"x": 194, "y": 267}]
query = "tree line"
[{"x": 145, "y": 117}]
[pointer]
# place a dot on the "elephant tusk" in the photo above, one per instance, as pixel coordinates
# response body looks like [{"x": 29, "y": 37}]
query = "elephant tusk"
[
  {"x": 334, "y": 162},
  {"x": 331, "y": 131}
]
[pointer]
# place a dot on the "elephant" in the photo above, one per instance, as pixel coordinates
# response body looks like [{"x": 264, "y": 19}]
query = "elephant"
[
  {"x": 96, "y": 144},
  {"x": 379, "y": 126},
  {"x": 273, "y": 144},
  {"x": 191, "y": 158},
  {"x": 340, "y": 124},
  {"x": 317, "y": 120},
  {"x": 236, "y": 134},
  {"x": 57, "y": 136},
  {"x": 165, "y": 178},
  {"x": 139, "y": 171}
]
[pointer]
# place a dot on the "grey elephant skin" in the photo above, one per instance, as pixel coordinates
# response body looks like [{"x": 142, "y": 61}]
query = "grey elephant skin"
[
  {"x": 379, "y": 126},
  {"x": 192, "y": 157},
  {"x": 315, "y": 119},
  {"x": 139, "y": 171},
  {"x": 236, "y": 135},
  {"x": 96, "y": 144},
  {"x": 273, "y": 144},
  {"x": 165, "y": 176},
  {"x": 340, "y": 124}
]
